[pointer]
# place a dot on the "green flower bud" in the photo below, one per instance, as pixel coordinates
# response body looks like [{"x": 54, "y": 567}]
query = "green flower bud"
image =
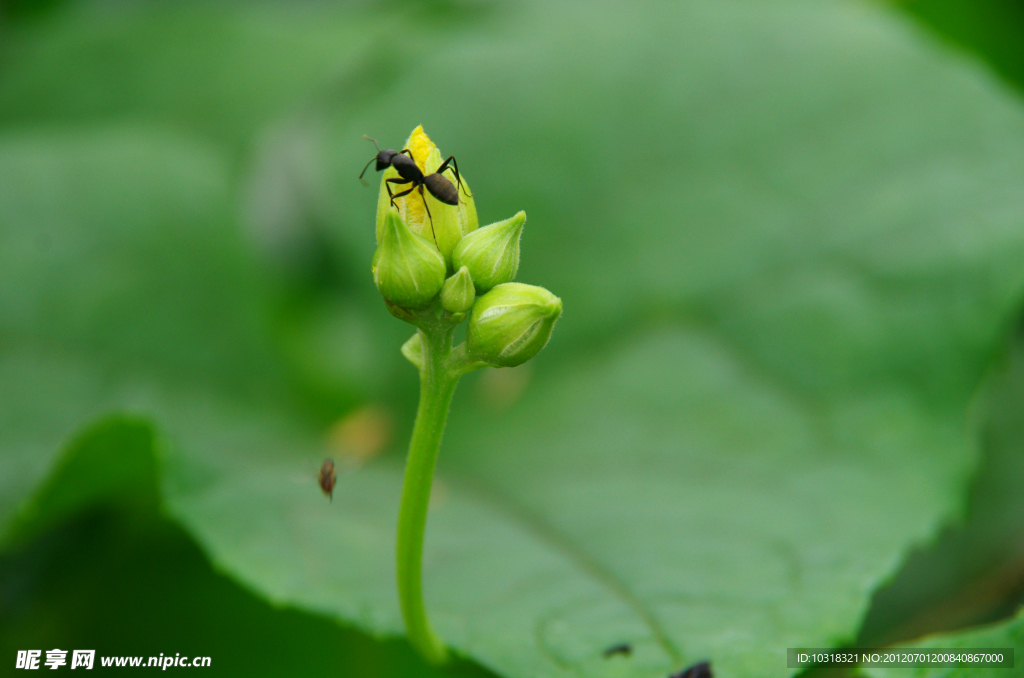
[
  {"x": 449, "y": 223},
  {"x": 491, "y": 253},
  {"x": 458, "y": 295},
  {"x": 511, "y": 324},
  {"x": 407, "y": 269}
]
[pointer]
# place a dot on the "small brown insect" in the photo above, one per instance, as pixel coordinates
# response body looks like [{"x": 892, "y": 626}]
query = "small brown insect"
[
  {"x": 699, "y": 670},
  {"x": 326, "y": 477}
]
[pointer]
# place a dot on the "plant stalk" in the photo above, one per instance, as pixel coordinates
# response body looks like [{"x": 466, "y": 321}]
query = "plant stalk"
[{"x": 437, "y": 386}]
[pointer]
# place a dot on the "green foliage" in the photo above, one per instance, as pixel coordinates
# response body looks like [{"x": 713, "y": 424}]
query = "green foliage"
[
  {"x": 788, "y": 236},
  {"x": 972, "y": 574},
  {"x": 120, "y": 578},
  {"x": 992, "y": 29},
  {"x": 219, "y": 70},
  {"x": 121, "y": 279}
]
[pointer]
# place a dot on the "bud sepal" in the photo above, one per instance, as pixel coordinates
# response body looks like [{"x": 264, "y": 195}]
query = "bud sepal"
[{"x": 413, "y": 350}]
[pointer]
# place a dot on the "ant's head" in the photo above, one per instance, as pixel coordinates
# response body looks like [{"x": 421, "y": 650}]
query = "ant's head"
[{"x": 384, "y": 158}]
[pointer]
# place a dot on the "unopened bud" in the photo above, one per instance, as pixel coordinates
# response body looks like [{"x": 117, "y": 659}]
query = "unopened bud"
[
  {"x": 511, "y": 324},
  {"x": 408, "y": 270},
  {"x": 458, "y": 294},
  {"x": 491, "y": 253},
  {"x": 446, "y": 224}
]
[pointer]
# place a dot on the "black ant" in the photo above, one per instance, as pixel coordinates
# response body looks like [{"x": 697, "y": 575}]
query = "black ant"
[{"x": 439, "y": 186}]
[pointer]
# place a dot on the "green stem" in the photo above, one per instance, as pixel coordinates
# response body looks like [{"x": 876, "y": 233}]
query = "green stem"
[{"x": 437, "y": 386}]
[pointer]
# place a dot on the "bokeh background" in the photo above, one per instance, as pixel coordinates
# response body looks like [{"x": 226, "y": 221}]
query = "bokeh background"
[{"x": 188, "y": 169}]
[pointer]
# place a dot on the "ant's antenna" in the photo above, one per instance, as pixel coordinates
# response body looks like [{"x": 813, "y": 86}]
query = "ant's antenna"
[
  {"x": 371, "y": 159},
  {"x": 364, "y": 171}
]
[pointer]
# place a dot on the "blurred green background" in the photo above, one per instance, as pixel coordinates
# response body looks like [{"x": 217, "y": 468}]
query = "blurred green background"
[{"x": 187, "y": 170}]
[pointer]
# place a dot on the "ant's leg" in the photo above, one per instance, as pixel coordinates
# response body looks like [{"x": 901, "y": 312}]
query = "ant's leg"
[
  {"x": 399, "y": 181},
  {"x": 426, "y": 207},
  {"x": 455, "y": 168},
  {"x": 444, "y": 166}
]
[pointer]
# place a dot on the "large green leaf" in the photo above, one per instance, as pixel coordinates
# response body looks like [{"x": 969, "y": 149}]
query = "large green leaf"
[
  {"x": 787, "y": 237},
  {"x": 823, "y": 212}
]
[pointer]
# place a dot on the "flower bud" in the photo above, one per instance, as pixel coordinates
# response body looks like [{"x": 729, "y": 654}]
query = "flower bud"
[
  {"x": 491, "y": 253},
  {"x": 407, "y": 269},
  {"x": 511, "y": 324},
  {"x": 449, "y": 223},
  {"x": 458, "y": 295}
]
